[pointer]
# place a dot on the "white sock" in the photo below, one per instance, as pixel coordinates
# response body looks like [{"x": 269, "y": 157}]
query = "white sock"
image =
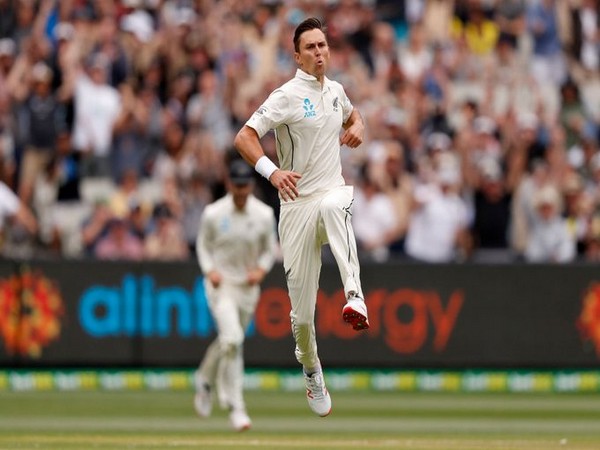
[{"x": 309, "y": 371}]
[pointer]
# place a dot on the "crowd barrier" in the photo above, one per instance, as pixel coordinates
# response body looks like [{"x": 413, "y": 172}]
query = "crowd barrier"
[{"x": 78, "y": 314}]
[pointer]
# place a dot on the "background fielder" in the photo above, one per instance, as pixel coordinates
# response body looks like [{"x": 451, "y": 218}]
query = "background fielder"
[{"x": 236, "y": 245}]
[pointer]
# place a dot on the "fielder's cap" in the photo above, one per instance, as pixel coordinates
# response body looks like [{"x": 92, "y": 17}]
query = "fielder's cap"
[{"x": 240, "y": 172}]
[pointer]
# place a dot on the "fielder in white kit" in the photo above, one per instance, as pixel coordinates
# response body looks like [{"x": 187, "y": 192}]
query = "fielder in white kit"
[
  {"x": 307, "y": 114},
  {"x": 236, "y": 246}
]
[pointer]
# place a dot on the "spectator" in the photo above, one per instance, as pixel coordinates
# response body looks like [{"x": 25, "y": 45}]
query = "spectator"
[
  {"x": 592, "y": 249},
  {"x": 438, "y": 228},
  {"x": 97, "y": 107},
  {"x": 578, "y": 211},
  {"x": 108, "y": 44},
  {"x": 585, "y": 22},
  {"x": 139, "y": 220},
  {"x": 548, "y": 62},
  {"x": 396, "y": 182},
  {"x": 25, "y": 14},
  {"x": 8, "y": 51},
  {"x": 573, "y": 116},
  {"x": 7, "y": 135},
  {"x": 373, "y": 219},
  {"x": 510, "y": 17},
  {"x": 166, "y": 241},
  {"x": 437, "y": 20},
  {"x": 62, "y": 210},
  {"x": 94, "y": 228},
  {"x": 492, "y": 214},
  {"x": 593, "y": 182},
  {"x": 549, "y": 239},
  {"x": 173, "y": 78},
  {"x": 415, "y": 57},
  {"x": 119, "y": 243},
  {"x": 127, "y": 194},
  {"x": 40, "y": 116},
  {"x": 207, "y": 110},
  {"x": 523, "y": 208},
  {"x": 380, "y": 55},
  {"x": 194, "y": 200},
  {"x": 7, "y": 19},
  {"x": 174, "y": 161},
  {"x": 131, "y": 142},
  {"x": 478, "y": 32}
]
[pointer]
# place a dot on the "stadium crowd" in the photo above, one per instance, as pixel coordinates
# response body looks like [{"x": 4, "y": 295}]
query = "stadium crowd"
[{"x": 482, "y": 117}]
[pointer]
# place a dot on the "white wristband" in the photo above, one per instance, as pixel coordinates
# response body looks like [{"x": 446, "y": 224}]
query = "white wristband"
[{"x": 265, "y": 167}]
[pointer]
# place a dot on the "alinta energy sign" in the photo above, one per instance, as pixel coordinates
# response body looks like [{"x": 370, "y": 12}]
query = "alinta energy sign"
[{"x": 65, "y": 313}]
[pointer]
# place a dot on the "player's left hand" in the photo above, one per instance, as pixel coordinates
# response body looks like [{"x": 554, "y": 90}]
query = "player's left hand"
[{"x": 353, "y": 136}]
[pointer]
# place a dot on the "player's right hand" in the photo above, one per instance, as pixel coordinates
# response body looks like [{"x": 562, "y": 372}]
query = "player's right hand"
[{"x": 285, "y": 182}]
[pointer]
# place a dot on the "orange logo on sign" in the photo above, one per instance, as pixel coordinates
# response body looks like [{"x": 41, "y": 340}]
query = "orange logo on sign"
[
  {"x": 30, "y": 310},
  {"x": 589, "y": 319}
]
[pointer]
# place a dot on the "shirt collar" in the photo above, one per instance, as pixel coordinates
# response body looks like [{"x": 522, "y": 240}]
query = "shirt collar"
[{"x": 308, "y": 77}]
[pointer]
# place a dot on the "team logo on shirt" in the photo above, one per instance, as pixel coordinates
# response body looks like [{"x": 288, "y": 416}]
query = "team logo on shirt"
[
  {"x": 309, "y": 109},
  {"x": 224, "y": 225},
  {"x": 261, "y": 111},
  {"x": 335, "y": 104}
]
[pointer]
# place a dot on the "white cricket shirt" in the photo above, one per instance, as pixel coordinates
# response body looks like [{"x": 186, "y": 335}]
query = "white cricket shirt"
[
  {"x": 233, "y": 241},
  {"x": 307, "y": 120}
]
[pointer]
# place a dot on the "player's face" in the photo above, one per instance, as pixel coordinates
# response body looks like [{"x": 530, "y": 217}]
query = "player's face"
[
  {"x": 313, "y": 57},
  {"x": 240, "y": 193}
]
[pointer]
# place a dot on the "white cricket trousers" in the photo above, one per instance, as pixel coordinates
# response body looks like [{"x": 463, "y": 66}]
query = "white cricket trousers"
[
  {"x": 305, "y": 225},
  {"x": 232, "y": 307}
]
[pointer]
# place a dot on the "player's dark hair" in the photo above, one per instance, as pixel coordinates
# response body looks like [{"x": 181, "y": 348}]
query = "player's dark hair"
[{"x": 311, "y": 23}]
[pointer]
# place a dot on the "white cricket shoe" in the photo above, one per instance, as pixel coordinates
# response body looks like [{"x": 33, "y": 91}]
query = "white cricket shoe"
[
  {"x": 355, "y": 313},
  {"x": 317, "y": 394},
  {"x": 239, "y": 420},
  {"x": 203, "y": 398}
]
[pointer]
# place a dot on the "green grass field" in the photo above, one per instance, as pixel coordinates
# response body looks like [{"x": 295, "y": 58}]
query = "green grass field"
[{"x": 366, "y": 420}]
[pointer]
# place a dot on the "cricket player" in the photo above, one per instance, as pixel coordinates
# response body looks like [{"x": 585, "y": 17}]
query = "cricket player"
[
  {"x": 308, "y": 113},
  {"x": 236, "y": 247}
]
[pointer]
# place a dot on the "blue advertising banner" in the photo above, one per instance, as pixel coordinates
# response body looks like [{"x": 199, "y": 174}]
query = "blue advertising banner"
[{"x": 98, "y": 314}]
